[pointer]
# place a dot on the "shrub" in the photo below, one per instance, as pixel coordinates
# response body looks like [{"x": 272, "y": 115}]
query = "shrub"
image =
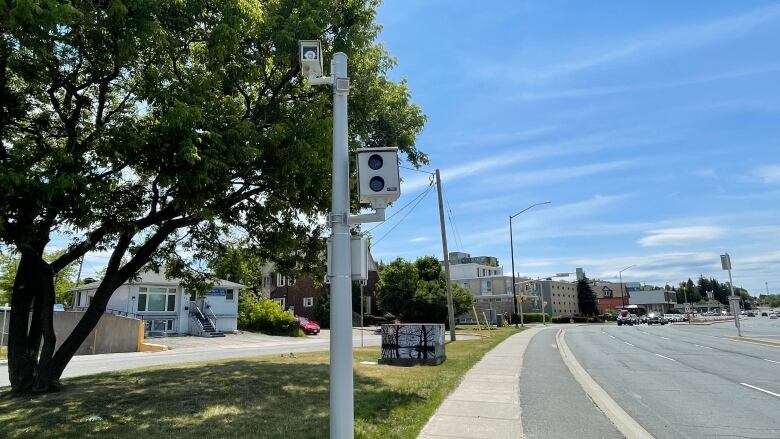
[
  {"x": 562, "y": 319},
  {"x": 263, "y": 315},
  {"x": 531, "y": 317},
  {"x": 371, "y": 320}
]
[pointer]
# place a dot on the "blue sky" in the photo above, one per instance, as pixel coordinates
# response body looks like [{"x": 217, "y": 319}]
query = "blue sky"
[{"x": 652, "y": 127}]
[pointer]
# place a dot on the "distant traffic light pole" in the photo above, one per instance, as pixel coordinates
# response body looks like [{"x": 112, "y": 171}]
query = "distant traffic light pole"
[
  {"x": 512, "y": 251},
  {"x": 725, "y": 262}
]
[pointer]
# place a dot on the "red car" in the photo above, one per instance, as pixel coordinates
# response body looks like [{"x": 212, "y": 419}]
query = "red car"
[{"x": 309, "y": 327}]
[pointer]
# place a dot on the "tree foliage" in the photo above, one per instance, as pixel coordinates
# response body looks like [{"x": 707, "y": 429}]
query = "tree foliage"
[
  {"x": 64, "y": 279},
  {"x": 588, "y": 302},
  {"x": 157, "y": 128},
  {"x": 416, "y": 292}
]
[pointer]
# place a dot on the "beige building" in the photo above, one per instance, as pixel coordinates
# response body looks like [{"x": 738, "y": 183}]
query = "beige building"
[{"x": 560, "y": 297}]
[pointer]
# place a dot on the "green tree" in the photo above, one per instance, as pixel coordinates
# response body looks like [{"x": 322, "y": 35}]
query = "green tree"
[
  {"x": 588, "y": 302},
  {"x": 396, "y": 287},
  {"x": 156, "y": 128},
  {"x": 416, "y": 292}
]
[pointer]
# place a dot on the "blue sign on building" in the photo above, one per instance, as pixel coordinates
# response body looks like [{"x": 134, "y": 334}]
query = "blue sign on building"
[{"x": 217, "y": 292}]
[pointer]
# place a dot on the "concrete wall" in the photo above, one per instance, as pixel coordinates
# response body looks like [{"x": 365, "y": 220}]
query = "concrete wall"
[{"x": 112, "y": 333}]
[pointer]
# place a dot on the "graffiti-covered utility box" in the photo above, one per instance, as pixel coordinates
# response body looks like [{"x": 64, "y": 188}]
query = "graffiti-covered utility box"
[{"x": 409, "y": 344}]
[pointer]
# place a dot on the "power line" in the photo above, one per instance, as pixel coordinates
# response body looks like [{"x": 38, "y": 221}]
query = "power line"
[
  {"x": 404, "y": 217},
  {"x": 403, "y": 207},
  {"x": 451, "y": 217},
  {"x": 416, "y": 170}
]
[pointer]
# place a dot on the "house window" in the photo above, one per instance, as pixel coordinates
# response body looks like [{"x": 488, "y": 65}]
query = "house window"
[
  {"x": 229, "y": 295},
  {"x": 280, "y": 280},
  {"x": 156, "y": 299},
  {"x": 78, "y": 299},
  {"x": 280, "y": 302},
  {"x": 161, "y": 325},
  {"x": 308, "y": 302},
  {"x": 266, "y": 281}
]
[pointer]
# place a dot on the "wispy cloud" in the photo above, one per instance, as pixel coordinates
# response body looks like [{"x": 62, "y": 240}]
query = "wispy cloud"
[
  {"x": 508, "y": 157},
  {"x": 620, "y": 89},
  {"x": 769, "y": 173},
  {"x": 420, "y": 239},
  {"x": 680, "y": 235},
  {"x": 652, "y": 43},
  {"x": 562, "y": 173}
]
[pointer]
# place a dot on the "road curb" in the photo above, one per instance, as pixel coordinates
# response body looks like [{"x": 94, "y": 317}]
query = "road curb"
[{"x": 624, "y": 423}]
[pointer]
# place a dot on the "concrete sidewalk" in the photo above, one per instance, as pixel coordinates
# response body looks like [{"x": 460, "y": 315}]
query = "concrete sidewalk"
[{"x": 486, "y": 404}]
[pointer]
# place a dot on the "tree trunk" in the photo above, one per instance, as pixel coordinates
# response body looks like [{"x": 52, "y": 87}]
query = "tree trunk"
[
  {"x": 90, "y": 319},
  {"x": 33, "y": 287}
]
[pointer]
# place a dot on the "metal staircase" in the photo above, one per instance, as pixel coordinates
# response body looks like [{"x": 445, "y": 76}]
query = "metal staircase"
[{"x": 206, "y": 326}]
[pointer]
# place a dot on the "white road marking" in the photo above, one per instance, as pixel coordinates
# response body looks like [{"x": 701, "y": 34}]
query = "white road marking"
[
  {"x": 670, "y": 359},
  {"x": 612, "y": 336},
  {"x": 643, "y": 332},
  {"x": 760, "y": 389},
  {"x": 628, "y": 343},
  {"x": 555, "y": 346},
  {"x": 705, "y": 347},
  {"x": 772, "y": 361},
  {"x": 665, "y": 338}
]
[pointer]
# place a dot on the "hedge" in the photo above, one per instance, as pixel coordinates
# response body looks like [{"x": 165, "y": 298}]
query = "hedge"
[{"x": 531, "y": 317}]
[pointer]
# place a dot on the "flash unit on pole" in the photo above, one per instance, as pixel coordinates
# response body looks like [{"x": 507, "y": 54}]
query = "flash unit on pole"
[{"x": 379, "y": 182}]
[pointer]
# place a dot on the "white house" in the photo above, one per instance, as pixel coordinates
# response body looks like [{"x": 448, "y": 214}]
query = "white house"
[{"x": 168, "y": 308}]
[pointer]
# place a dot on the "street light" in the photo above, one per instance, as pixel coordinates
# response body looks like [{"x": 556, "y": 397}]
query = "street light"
[
  {"x": 512, "y": 251},
  {"x": 623, "y": 287}
]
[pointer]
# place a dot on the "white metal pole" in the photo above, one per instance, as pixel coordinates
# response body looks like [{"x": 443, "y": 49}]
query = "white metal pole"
[
  {"x": 2, "y": 328},
  {"x": 362, "y": 311},
  {"x": 341, "y": 386}
]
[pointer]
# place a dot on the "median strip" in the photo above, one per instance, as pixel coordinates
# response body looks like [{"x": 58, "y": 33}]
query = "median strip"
[{"x": 771, "y": 361}]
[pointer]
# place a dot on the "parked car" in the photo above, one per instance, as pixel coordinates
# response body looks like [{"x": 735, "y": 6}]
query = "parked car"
[
  {"x": 58, "y": 307},
  {"x": 764, "y": 314},
  {"x": 751, "y": 314},
  {"x": 309, "y": 327},
  {"x": 773, "y": 316},
  {"x": 626, "y": 318},
  {"x": 655, "y": 318}
]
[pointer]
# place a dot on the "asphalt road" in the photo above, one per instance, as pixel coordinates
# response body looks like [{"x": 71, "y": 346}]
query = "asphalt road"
[
  {"x": 685, "y": 380},
  {"x": 552, "y": 403}
]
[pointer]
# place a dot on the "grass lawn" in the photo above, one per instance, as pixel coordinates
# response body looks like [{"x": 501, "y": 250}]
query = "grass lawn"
[
  {"x": 268, "y": 397},
  {"x": 3, "y": 353}
]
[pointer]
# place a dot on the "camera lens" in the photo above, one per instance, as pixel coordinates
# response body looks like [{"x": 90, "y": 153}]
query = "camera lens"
[
  {"x": 375, "y": 161},
  {"x": 377, "y": 184}
]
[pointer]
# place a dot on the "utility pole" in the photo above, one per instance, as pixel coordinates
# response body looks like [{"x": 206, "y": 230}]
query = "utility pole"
[
  {"x": 362, "y": 310},
  {"x": 450, "y": 306}
]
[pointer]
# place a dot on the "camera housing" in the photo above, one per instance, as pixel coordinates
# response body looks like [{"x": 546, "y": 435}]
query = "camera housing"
[
  {"x": 379, "y": 182},
  {"x": 310, "y": 55}
]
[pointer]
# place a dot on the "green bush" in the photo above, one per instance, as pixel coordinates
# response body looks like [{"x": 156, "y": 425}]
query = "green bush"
[
  {"x": 562, "y": 319},
  {"x": 531, "y": 317},
  {"x": 263, "y": 315}
]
